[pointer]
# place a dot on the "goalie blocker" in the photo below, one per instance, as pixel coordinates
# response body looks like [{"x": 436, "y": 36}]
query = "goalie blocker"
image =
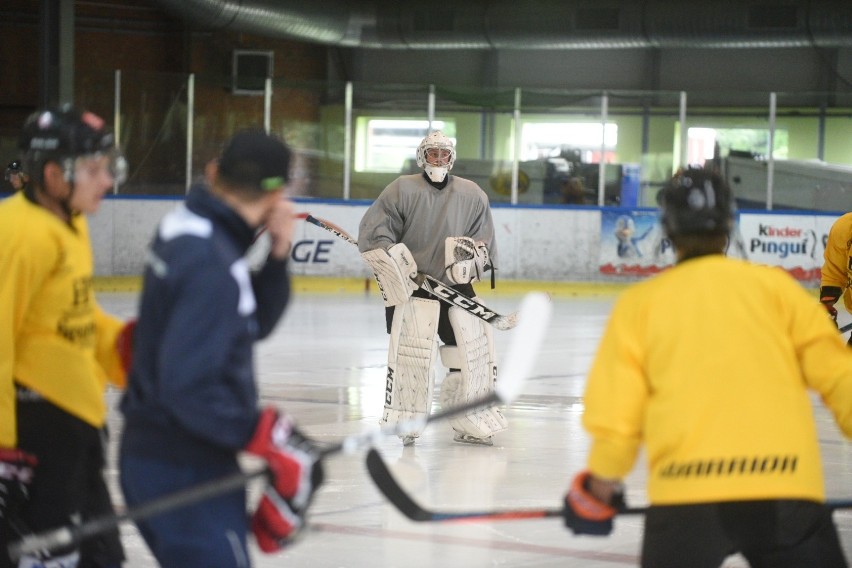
[{"x": 394, "y": 269}]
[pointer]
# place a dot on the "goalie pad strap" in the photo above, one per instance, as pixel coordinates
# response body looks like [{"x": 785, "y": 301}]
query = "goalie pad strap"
[
  {"x": 393, "y": 269},
  {"x": 474, "y": 357},
  {"x": 411, "y": 357}
]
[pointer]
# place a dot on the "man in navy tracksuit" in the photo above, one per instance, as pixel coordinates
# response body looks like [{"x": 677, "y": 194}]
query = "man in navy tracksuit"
[{"x": 191, "y": 403}]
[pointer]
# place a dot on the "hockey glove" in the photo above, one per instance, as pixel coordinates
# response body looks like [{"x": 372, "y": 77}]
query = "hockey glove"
[
  {"x": 832, "y": 313},
  {"x": 16, "y": 474},
  {"x": 296, "y": 472},
  {"x": 828, "y": 296},
  {"x": 586, "y": 514},
  {"x": 275, "y": 524},
  {"x": 124, "y": 344}
]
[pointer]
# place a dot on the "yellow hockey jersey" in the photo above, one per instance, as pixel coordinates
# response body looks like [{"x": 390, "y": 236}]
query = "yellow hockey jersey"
[
  {"x": 54, "y": 338},
  {"x": 837, "y": 265},
  {"x": 709, "y": 365}
]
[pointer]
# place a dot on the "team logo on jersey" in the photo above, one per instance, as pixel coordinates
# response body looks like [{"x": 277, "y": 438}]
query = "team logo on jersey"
[{"x": 754, "y": 465}]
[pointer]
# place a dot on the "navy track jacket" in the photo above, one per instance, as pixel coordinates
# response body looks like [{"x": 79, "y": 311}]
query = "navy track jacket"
[{"x": 191, "y": 392}]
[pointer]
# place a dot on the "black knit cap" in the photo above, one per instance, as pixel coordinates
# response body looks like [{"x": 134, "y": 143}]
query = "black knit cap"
[{"x": 253, "y": 158}]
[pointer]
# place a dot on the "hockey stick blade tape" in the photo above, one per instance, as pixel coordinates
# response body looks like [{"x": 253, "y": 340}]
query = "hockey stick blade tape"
[{"x": 533, "y": 320}]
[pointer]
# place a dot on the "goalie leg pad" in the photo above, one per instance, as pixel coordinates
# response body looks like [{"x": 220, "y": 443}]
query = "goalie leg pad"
[
  {"x": 411, "y": 358},
  {"x": 393, "y": 269},
  {"x": 475, "y": 379}
]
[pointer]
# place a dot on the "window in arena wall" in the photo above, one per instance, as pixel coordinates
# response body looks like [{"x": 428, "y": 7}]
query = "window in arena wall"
[
  {"x": 702, "y": 142},
  {"x": 390, "y": 144},
  {"x": 542, "y": 140}
]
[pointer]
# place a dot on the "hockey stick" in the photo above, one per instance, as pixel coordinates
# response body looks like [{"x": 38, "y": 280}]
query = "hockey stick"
[
  {"x": 390, "y": 488},
  {"x": 536, "y": 308},
  {"x": 535, "y": 312},
  {"x": 434, "y": 286},
  {"x": 845, "y": 328}
]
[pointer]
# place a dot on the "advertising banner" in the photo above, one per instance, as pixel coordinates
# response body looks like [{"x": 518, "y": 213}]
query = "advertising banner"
[
  {"x": 632, "y": 243},
  {"x": 793, "y": 242}
]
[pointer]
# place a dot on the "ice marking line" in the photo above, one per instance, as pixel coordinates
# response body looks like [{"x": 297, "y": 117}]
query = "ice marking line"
[{"x": 614, "y": 557}]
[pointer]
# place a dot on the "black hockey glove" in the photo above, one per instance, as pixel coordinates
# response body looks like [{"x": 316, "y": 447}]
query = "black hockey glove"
[
  {"x": 828, "y": 296},
  {"x": 586, "y": 514},
  {"x": 16, "y": 474}
]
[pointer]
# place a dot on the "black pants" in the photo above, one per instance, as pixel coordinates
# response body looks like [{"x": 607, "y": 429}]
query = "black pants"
[
  {"x": 68, "y": 483},
  {"x": 445, "y": 329},
  {"x": 769, "y": 534}
]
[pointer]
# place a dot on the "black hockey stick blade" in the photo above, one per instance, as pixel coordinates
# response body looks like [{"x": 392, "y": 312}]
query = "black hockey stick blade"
[
  {"x": 517, "y": 366},
  {"x": 434, "y": 286},
  {"x": 391, "y": 489},
  {"x": 845, "y": 328}
]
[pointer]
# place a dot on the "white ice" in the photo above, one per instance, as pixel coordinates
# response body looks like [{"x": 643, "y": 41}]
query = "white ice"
[{"x": 325, "y": 364}]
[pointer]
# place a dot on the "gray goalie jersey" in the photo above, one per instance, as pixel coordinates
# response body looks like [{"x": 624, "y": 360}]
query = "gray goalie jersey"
[{"x": 412, "y": 211}]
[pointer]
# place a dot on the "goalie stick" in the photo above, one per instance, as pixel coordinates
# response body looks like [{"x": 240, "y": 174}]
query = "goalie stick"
[
  {"x": 390, "y": 488},
  {"x": 432, "y": 285},
  {"x": 536, "y": 309}
]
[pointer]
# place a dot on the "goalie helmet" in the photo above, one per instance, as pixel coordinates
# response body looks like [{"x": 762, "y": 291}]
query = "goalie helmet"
[
  {"x": 436, "y": 155},
  {"x": 64, "y": 133},
  {"x": 696, "y": 202}
]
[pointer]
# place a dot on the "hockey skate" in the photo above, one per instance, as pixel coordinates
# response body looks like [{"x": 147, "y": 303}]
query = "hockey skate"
[{"x": 468, "y": 439}]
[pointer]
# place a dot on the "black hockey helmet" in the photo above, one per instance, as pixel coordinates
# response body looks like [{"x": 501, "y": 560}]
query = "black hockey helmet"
[
  {"x": 696, "y": 201},
  {"x": 64, "y": 133}
]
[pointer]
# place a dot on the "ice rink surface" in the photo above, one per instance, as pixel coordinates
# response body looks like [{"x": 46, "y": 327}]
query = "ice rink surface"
[{"x": 325, "y": 364}]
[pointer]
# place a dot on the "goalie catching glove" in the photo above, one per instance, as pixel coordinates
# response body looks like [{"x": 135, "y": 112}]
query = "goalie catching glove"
[
  {"x": 584, "y": 513},
  {"x": 296, "y": 472},
  {"x": 466, "y": 261}
]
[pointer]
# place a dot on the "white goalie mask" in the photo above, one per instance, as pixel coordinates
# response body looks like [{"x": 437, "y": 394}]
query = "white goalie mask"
[{"x": 436, "y": 155}]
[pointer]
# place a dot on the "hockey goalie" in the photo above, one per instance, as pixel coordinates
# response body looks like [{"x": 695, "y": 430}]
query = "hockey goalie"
[{"x": 440, "y": 225}]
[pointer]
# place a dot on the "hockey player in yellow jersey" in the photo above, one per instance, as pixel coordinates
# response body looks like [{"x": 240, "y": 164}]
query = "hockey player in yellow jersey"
[
  {"x": 836, "y": 277},
  {"x": 58, "y": 349},
  {"x": 708, "y": 366}
]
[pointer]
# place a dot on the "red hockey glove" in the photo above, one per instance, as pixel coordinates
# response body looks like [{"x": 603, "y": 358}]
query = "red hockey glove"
[
  {"x": 275, "y": 524},
  {"x": 297, "y": 473},
  {"x": 586, "y": 514},
  {"x": 124, "y": 344},
  {"x": 16, "y": 474}
]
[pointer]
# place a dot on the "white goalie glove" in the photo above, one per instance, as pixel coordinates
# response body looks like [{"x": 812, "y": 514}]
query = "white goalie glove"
[
  {"x": 394, "y": 269},
  {"x": 466, "y": 260}
]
